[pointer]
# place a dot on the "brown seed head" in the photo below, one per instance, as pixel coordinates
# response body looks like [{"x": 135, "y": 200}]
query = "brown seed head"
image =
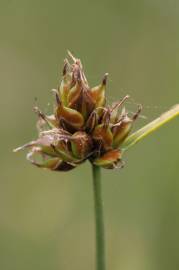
[{"x": 82, "y": 126}]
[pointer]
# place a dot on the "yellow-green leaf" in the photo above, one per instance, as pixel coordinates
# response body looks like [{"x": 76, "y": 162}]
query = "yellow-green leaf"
[{"x": 151, "y": 127}]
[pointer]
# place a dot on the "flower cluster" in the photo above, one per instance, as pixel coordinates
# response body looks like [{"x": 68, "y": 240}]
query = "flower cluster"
[{"x": 82, "y": 126}]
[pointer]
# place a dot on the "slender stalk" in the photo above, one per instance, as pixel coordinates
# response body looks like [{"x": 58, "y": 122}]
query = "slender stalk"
[{"x": 99, "y": 221}]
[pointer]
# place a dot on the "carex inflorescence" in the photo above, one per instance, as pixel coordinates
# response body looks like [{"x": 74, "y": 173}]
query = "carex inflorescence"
[{"x": 82, "y": 127}]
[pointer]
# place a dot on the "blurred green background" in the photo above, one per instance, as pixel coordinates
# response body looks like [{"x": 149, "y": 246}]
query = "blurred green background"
[{"x": 46, "y": 218}]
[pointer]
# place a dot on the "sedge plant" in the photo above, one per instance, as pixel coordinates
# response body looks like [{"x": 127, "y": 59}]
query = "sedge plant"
[{"x": 84, "y": 127}]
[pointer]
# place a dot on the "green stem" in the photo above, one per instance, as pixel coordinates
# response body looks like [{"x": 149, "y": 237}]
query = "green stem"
[{"x": 99, "y": 221}]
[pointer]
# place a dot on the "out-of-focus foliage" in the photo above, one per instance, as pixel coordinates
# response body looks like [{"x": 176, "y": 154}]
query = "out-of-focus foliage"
[{"x": 46, "y": 219}]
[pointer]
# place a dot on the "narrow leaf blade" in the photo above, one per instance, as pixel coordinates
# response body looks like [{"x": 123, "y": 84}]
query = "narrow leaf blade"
[{"x": 151, "y": 127}]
